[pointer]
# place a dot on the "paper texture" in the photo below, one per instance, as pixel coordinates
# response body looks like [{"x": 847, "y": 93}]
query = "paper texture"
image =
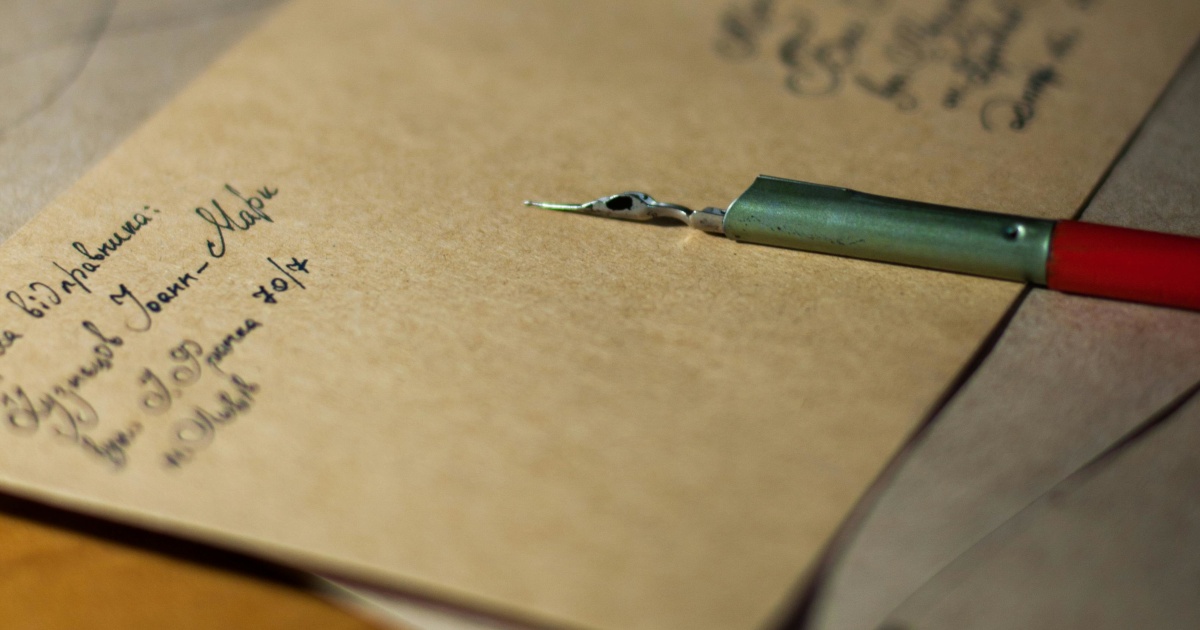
[
  {"x": 1070, "y": 376},
  {"x": 75, "y": 79},
  {"x": 381, "y": 365}
]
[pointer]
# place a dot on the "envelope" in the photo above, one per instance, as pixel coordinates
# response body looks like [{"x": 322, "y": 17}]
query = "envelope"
[{"x": 303, "y": 313}]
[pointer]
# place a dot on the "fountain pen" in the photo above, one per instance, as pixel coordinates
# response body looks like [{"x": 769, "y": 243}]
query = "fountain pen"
[{"x": 1070, "y": 256}]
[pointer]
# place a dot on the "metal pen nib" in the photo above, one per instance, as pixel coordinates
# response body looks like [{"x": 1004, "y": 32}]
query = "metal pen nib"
[
  {"x": 638, "y": 206},
  {"x": 1063, "y": 255},
  {"x": 831, "y": 220}
]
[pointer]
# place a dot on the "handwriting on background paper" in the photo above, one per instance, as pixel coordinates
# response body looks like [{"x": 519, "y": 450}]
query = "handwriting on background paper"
[
  {"x": 191, "y": 392},
  {"x": 998, "y": 60}
]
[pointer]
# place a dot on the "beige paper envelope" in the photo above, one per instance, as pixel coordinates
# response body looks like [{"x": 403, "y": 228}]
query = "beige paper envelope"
[{"x": 302, "y": 311}]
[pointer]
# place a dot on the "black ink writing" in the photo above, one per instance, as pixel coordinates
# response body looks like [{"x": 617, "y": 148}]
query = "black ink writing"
[
  {"x": 8, "y": 339},
  {"x": 197, "y": 430},
  {"x": 1016, "y": 113},
  {"x": 742, "y": 29},
  {"x": 143, "y": 311},
  {"x": 817, "y": 68},
  {"x": 962, "y": 54},
  {"x": 227, "y": 345},
  {"x": 27, "y": 412},
  {"x": 281, "y": 284},
  {"x": 36, "y": 301},
  {"x": 159, "y": 394},
  {"x": 114, "y": 450},
  {"x": 981, "y": 53},
  {"x": 143, "y": 319},
  {"x": 241, "y": 220},
  {"x": 39, "y": 297},
  {"x": 76, "y": 276},
  {"x": 119, "y": 237}
]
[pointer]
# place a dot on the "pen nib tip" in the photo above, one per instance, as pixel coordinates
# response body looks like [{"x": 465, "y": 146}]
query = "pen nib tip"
[
  {"x": 634, "y": 206},
  {"x": 554, "y": 206}
]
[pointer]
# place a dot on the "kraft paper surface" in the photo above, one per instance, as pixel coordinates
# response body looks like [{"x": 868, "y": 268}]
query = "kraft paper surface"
[
  {"x": 75, "y": 79},
  {"x": 302, "y": 312}
]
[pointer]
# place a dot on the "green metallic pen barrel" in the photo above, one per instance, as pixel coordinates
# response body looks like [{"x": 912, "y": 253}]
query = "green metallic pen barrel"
[{"x": 830, "y": 220}]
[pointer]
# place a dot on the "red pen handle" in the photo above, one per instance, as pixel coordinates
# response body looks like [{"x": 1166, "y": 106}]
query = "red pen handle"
[{"x": 1125, "y": 264}]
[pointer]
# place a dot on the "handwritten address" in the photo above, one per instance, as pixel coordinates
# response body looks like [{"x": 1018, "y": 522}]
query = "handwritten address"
[
  {"x": 959, "y": 55},
  {"x": 179, "y": 402}
]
